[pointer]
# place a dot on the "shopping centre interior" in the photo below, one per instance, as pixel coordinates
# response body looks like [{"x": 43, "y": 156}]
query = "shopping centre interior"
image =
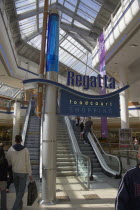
[{"x": 81, "y": 22}]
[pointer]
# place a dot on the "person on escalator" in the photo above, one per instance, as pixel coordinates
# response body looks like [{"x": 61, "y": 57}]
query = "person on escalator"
[
  {"x": 33, "y": 106},
  {"x": 87, "y": 129},
  {"x": 81, "y": 128},
  {"x": 128, "y": 197},
  {"x": 19, "y": 159}
]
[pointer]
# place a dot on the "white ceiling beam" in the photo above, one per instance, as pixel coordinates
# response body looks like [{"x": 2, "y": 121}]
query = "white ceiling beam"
[
  {"x": 77, "y": 5},
  {"x": 85, "y": 44},
  {"x": 84, "y": 32},
  {"x": 68, "y": 28},
  {"x": 66, "y": 11},
  {"x": 108, "y": 5},
  {"x": 33, "y": 35}
]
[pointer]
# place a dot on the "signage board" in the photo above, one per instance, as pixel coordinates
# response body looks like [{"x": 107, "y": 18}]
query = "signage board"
[{"x": 71, "y": 104}]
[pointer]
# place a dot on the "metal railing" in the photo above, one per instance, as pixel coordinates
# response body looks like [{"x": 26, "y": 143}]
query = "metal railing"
[
  {"x": 128, "y": 158},
  {"x": 110, "y": 164},
  {"x": 83, "y": 162},
  {"x": 25, "y": 125},
  {"x": 83, "y": 167}
]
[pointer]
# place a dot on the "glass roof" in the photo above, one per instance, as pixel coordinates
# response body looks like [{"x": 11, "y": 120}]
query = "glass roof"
[
  {"x": 8, "y": 91},
  {"x": 72, "y": 54}
]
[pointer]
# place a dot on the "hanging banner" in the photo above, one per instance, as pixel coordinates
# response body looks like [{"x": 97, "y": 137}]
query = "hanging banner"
[
  {"x": 71, "y": 104},
  {"x": 104, "y": 127}
]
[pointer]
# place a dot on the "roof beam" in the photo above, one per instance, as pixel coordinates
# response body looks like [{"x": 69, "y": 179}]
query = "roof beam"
[
  {"x": 107, "y": 5},
  {"x": 91, "y": 35},
  {"x": 89, "y": 49},
  {"x": 77, "y": 5},
  {"x": 33, "y": 35},
  {"x": 78, "y": 18},
  {"x": 66, "y": 11},
  {"x": 68, "y": 28},
  {"x": 37, "y": 17}
]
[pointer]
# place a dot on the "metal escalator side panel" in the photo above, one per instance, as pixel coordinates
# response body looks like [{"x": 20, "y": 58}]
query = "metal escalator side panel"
[{"x": 101, "y": 159}]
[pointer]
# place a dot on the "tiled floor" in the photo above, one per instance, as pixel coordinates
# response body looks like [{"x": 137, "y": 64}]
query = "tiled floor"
[{"x": 73, "y": 195}]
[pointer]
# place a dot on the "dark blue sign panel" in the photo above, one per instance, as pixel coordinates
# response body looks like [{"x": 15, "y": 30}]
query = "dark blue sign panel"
[{"x": 71, "y": 104}]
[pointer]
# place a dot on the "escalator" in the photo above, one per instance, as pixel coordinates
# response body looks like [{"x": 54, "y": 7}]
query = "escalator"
[
  {"x": 32, "y": 142},
  {"x": 100, "y": 160},
  {"x": 31, "y": 139},
  {"x": 66, "y": 163},
  {"x": 87, "y": 149}
]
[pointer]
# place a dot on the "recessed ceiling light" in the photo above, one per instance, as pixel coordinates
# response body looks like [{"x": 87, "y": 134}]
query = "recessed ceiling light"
[{"x": 133, "y": 45}]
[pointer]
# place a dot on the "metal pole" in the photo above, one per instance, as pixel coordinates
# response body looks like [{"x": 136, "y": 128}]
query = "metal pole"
[
  {"x": 50, "y": 118},
  {"x": 42, "y": 58},
  {"x": 16, "y": 120}
]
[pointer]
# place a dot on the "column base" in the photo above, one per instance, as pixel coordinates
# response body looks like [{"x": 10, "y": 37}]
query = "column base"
[{"x": 47, "y": 203}]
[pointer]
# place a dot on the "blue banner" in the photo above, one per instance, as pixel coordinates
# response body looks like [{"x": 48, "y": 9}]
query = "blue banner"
[
  {"x": 52, "y": 55},
  {"x": 71, "y": 104}
]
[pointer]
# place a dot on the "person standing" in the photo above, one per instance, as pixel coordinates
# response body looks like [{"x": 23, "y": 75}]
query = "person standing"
[
  {"x": 87, "y": 129},
  {"x": 135, "y": 142},
  {"x": 3, "y": 178},
  {"x": 18, "y": 157},
  {"x": 33, "y": 106},
  {"x": 81, "y": 128},
  {"x": 128, "y": 197},
  {"x": 77, "y": 121},
  {"x": 10, "y": 178}
]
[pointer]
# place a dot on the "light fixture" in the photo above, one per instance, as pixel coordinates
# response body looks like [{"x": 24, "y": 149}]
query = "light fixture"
[{"x": 133, "y": 45}]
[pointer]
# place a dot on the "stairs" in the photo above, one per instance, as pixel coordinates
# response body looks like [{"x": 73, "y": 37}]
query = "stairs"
[
  {"x": 86, "y": 149},
  {"x": 32, "y": 142},
  {"x": 66, "y": 164}
]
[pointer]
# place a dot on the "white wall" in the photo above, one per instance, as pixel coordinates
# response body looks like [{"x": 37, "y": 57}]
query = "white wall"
[{"x": 121, "y": 28}]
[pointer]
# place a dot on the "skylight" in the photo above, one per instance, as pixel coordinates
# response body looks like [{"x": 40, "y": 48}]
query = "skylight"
[
  {"x": 80, "y": 14},
  {"x": 8, "y": 91}
]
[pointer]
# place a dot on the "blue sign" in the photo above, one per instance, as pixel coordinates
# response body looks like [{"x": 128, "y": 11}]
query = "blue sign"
[
  {"x": 71, "y": 104},
  {"x": 86, "y": 82}
]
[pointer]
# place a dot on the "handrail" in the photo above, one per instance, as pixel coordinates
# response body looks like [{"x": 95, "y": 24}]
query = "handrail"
[
  {"x": 75, "y": 145},
  {"x": 103, "y": 163},
  {"x": 25, "y": 125},
  {"x": 77, "y": 151}
]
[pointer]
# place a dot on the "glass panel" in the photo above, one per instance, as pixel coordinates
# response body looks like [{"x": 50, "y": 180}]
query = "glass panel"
[
  {"x": 80, "y": 25},
  {"x": 112, "y": 161},
  {"x": 71, "y": 52},
  {"x": 66, "y": 18},
  {"x": 61, "y": 2},
  {"x": 52, "y": 1},
  {"x": 28, "y": 26},
  {"x": 41, "y": 3},
  {"x": 74, "y": 2},
  {"x": 69, "y": 6},
  {"x": 36, "y": 42},
  {"x": 8, "y": 91},
  {"x": 83, "y": 168},
  {"x": 93, "y": 4},
  {"x": 25, "y": 6}
]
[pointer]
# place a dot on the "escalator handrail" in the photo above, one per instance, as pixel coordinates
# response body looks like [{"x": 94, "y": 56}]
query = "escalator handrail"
[
  {"x": 102, "y": 148},
  {"x": 75, "y": 145},
  {"x": 25, "y": 125},
  {"x": 101, "y": 159},
  {"x": 76, "y": 149}
]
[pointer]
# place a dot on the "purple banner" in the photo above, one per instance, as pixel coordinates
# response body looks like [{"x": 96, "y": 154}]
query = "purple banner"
[{"x": 102, "y": 69}]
